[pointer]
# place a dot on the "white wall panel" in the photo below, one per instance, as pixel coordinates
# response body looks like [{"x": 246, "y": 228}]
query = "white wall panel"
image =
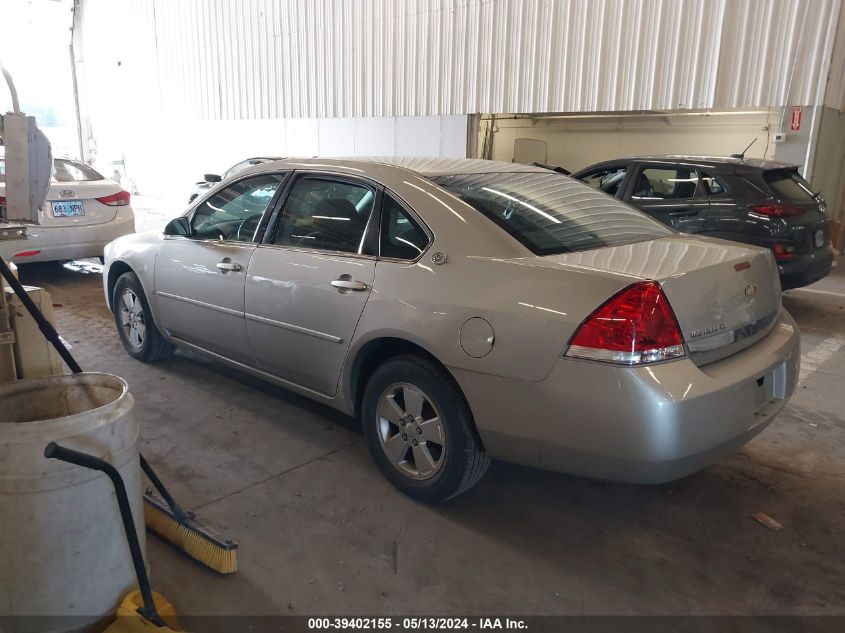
[
  {"x": 224, "y": 59},
  {"x": 419, "y": 136},
  {"x": 337, "y": 137},
  {"x": 303, "y": 137},
  {"x": 375, "y": 136}
]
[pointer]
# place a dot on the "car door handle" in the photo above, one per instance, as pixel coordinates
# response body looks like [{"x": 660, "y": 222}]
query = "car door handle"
[
  {"x": 349, "y": 284},
  {"x": 229, "y": 266}
]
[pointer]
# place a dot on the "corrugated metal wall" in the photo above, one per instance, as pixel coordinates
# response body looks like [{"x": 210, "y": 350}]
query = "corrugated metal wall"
[
  {"x": 223, "y": 59},
  {"x": 835, "y": 97}
]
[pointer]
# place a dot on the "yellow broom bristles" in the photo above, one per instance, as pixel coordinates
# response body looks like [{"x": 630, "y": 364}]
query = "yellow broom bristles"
[{"x": 224, "y": 561}]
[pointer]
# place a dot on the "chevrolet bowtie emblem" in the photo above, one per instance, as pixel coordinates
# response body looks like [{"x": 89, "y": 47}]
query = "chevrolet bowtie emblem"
[{"x": 750, "y": 290}]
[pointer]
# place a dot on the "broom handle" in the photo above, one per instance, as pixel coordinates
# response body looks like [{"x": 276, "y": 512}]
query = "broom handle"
[
  {"x": 180, "y": 515},
  {"x": 44, "y": 325},
  {"x": 54, "y": 451}
]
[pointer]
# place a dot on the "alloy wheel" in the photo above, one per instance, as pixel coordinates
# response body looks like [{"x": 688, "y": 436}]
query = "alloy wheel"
[
  {"x": 132, "y": 319},
  {"x": 411, "y": 431}
]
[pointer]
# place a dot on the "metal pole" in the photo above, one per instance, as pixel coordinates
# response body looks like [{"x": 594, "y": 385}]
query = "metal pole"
[{"x": 75, "y": 87}]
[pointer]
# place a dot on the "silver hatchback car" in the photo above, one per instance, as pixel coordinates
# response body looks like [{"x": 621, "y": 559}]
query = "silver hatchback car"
[{"x": 466, "y": 310}]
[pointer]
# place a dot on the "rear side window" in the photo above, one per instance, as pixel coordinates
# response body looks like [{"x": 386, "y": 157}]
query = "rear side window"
[
  {"x": 788, "y": 185},
  {"x": 73, "y": 171},
  {"x": 666, "y": 183},
  {"x": 550, "y": 213},
  {"x": 711, "y": 184},
  {"x": 325, "y": 214},
  {"x": 401, "y": 236}
]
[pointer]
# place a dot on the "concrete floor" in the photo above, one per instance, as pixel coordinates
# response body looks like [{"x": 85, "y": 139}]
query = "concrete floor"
[{"x": 321, "y": 532}]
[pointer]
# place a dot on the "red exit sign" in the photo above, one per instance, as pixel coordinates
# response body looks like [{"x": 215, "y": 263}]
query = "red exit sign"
[{"x": 796, "y": 118}]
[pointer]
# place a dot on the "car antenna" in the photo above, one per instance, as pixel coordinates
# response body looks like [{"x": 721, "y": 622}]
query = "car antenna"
[{"x": 742, "y": 156}]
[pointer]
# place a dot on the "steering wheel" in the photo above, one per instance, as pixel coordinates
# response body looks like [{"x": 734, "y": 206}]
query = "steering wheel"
[{"x": 250, "y": 223}]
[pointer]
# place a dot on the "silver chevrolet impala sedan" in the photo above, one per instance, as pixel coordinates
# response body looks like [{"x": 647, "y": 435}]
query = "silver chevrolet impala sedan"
[{"x": 465, "y": 310}]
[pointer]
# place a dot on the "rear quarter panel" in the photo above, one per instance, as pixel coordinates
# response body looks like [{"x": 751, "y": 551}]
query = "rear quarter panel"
[{"x": 533, "y": 310}]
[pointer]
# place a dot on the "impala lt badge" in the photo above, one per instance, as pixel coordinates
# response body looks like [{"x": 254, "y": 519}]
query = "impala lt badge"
[{"x": 710, "y": 329}]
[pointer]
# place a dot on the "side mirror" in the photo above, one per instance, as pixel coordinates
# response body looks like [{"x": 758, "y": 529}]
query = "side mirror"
[
  {"x": 212, "y": 178},
  {"x": 178, "y": 226}
]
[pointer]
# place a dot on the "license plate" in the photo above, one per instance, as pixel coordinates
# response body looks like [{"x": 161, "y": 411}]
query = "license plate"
[
  {"x": 819, "y": 238},
  {"x": 67, "y": 208}
]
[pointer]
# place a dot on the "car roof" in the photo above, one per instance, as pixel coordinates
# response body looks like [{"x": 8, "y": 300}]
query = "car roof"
[
  {"x": 265, "y": 158},
  {"x": 703, "y": 161},
  {"x": 422, "y": 166}
]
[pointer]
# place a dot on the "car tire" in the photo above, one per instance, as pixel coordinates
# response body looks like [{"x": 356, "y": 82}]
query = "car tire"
[
  {"x": 135, "y": 326},
  {"x": 419, "y": 430}
]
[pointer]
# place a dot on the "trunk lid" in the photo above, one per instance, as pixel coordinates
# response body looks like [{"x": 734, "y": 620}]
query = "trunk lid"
[
  {"x": 66, "y": 194},
  {"x": 725, "y": 295}
]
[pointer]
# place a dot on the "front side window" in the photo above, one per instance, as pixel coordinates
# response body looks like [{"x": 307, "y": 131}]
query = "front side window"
[
  {"x": 665, "y": 183},
  {"x": 401, "y": 236},
  {"x": 549, "y": 213},
  {"x": 606, "y": 179},
  {"x": 325, "y": 214},
  {"x": 234, "y": 212}
]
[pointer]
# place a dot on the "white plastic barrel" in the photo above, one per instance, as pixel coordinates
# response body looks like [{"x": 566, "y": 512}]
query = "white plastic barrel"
[{"x": 63, "y": 551}]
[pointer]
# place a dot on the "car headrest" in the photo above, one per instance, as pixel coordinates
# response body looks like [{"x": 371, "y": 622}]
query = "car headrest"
[
  {"x": 339, "y": 208},
  {"x": 684, "y": 189}
]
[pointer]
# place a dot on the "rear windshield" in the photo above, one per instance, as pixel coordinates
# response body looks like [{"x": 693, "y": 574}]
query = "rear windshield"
[
  {"x": 551, "y": 213},
  {"x": 72, "y": 171},
  {"x": 788, "y": 185}
]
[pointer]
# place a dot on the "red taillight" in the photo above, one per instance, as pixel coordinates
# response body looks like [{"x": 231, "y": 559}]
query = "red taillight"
[
  {"x": 636, "y": 325},
  {"x": 2, "y": 201},
  {"x": 119, "y": 199},
  {"x": 784, "y": 252},
  {"x": 27, "y": 253},
  {"x": 776, "y": 210}
]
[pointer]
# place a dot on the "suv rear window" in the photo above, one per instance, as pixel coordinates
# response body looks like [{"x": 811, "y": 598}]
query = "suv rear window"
[
  {"x": 788, "y": 185},
  {"x": 550, "y": 213}
]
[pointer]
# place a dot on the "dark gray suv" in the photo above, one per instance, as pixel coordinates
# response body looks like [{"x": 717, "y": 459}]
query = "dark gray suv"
[{"x": 745, "y": 200}]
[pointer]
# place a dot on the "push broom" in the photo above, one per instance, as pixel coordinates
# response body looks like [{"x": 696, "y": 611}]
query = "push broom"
[{"x": 162, "y": 515}]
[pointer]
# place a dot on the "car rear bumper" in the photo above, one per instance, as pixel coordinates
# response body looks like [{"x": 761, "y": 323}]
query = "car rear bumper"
[
  {"x": 641, "y": 425},
  {"x": 60, "y": 243},
  {"x": 807, "y": 269}
]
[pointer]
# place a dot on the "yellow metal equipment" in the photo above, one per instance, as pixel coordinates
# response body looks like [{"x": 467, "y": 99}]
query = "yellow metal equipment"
[{"x": 129, "y": 620}]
